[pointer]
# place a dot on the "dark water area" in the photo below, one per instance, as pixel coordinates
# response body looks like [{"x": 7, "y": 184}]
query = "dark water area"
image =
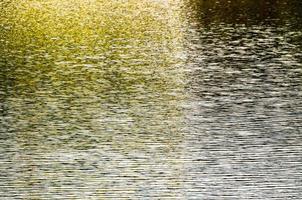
[
  {"x": 268, "y": 12},
  {"x": 152, "y": 99}
]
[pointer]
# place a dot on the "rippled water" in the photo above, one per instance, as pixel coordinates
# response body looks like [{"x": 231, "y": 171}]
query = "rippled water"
[{"x": 152, "y": 99}]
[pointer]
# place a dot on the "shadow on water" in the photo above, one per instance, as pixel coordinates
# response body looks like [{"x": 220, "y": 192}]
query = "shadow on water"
[
  {"x": 248, "y": 12},
  {"x": 150, "y": 99}
]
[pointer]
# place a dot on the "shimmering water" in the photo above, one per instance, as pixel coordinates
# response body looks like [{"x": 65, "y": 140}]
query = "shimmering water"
[{"x": 151, "y": 99}]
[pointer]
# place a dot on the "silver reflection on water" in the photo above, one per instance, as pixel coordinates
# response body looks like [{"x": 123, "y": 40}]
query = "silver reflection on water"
[{"x": 152, "y": 99}]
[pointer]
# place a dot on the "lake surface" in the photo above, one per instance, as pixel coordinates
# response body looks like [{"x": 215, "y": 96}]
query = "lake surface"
[{"x": 151, "y": 99}]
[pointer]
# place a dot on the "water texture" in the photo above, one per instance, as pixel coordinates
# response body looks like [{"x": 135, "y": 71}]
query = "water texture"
[{"x": 150, "y": 99}]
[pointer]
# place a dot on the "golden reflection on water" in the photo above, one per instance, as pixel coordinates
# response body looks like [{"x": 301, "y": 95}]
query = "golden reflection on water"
[{"x": 92, "y": 92}]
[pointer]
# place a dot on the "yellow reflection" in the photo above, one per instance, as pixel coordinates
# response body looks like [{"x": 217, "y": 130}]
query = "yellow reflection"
[
  {"x": 87, "y": 22},
  {"x": 52, "y": 36}
]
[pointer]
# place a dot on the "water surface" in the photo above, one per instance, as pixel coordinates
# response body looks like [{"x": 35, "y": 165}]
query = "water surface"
[{"x": 150, "y": 99}]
